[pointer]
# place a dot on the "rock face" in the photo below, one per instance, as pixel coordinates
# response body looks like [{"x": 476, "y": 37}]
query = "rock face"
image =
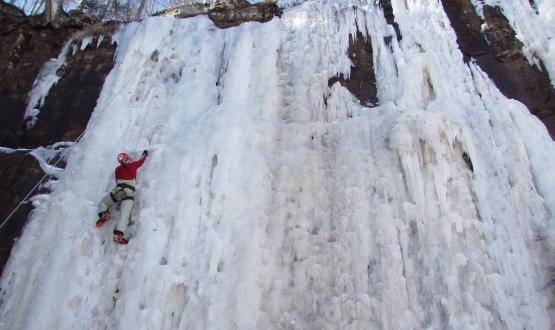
[
  {"x": 26, "y": 44},
  {"x": 227, "y": 15},
  {"x": 362, "y": 81},
  {"x": 389, "y": 16},
  {"x": 502, "y": 59},
  {"x": 67, "y": 110}
]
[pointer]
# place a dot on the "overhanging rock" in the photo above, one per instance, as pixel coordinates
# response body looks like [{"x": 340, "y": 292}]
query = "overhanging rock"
[{"x": 227, "y": 15}]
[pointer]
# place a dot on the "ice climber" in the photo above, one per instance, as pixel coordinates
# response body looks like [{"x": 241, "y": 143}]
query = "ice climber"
[{"x": 123, "y": 193}]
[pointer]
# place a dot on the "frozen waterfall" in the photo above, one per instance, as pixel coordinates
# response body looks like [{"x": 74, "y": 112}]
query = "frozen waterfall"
[{"x": 273, "y": 201}]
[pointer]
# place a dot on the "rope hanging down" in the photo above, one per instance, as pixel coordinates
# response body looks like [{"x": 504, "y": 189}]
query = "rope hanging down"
[
  {"x": 27, "y": 196},
  {"x": 146, "y": 117},
  {"x": 25, "y": 199}
]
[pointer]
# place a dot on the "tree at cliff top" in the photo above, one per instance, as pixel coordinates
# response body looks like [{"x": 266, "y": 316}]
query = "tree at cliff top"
[{"x": 119, "y": 10}]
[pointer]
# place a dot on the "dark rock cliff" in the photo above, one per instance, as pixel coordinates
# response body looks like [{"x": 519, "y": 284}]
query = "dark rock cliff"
[
  {"x": 362, "y": 80},
  {"x": 227, "y": 15},
  {"x": 502, "y": 58}
]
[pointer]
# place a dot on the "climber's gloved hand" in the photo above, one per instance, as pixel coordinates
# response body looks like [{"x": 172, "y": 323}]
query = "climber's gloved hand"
[{"x": 145, "y": 153}]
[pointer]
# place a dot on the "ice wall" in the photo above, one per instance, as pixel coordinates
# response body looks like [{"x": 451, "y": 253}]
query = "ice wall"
[{"x": 272, "y": 201}]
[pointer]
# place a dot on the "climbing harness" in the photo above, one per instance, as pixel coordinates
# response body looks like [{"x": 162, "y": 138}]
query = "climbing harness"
[
  {"x": 122, "y": 187},
  {"x": 115, "y": 200},
  {"x": 125, "y": 186}
]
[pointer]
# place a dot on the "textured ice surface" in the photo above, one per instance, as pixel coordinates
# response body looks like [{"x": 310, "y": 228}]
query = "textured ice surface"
[{"x": 263, "y": 207}]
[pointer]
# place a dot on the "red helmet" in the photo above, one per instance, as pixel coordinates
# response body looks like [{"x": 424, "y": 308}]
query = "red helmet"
[{"x": 123, "y": 158}]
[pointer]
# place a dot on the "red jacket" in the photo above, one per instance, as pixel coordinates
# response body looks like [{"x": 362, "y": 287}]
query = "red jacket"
[{"x": 129, "y": 171}]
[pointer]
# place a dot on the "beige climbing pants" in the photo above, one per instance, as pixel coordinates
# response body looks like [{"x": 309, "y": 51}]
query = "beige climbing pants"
[{"x": 124, "y": 194}]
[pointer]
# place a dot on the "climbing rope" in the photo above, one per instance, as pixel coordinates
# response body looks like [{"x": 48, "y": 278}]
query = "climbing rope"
[
  {"x": 27, "y": 196},
  {"x": 25, "y": 199},
  {"x": 146, "y": 117}
]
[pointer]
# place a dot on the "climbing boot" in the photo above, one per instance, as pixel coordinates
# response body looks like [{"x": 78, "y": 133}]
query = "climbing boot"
[
  {"x": 118, "y": 237},
  {"x": 103, "y": 217}
]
